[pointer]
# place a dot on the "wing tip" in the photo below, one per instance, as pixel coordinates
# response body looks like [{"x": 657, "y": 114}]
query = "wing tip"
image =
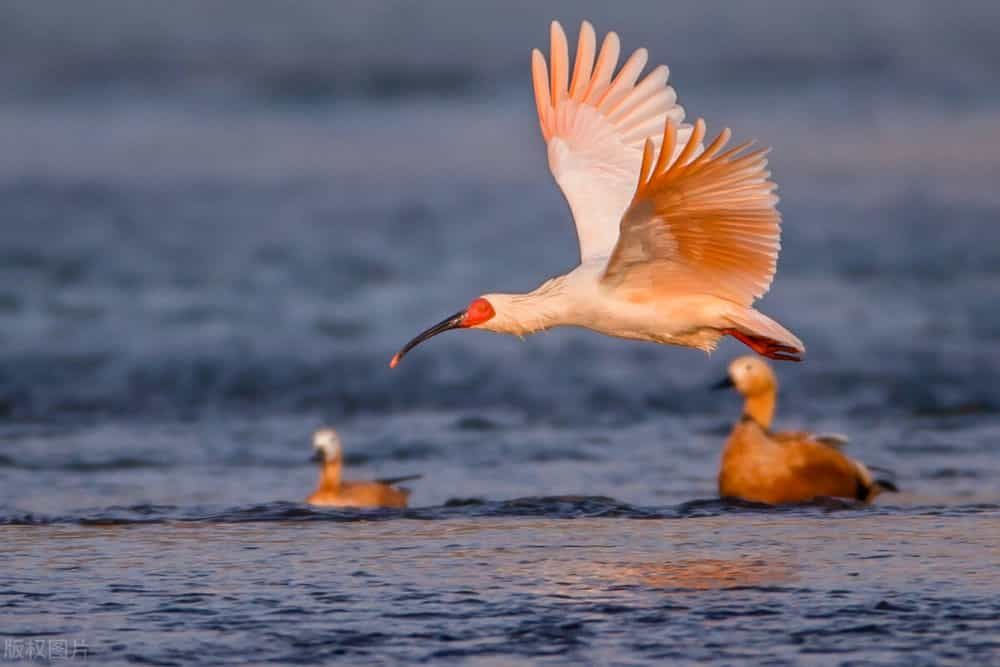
[
  {"x": 556, "y": 33},
  {"x": 593, "y": 78},
  {"x": 537, "y": 59},
  {"x": 543, "y": 98}
]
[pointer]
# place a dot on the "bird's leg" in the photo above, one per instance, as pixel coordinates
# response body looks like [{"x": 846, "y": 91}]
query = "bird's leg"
[{"x": 766, "y": 347}]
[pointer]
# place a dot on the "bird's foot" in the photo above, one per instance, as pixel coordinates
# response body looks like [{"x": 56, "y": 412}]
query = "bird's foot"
[{"x": 766, "y": 347}]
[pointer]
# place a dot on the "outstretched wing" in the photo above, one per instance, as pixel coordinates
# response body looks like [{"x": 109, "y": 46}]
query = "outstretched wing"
[
  {"x": 699, "y": 223},
  {"x": 595, "y": 128}
]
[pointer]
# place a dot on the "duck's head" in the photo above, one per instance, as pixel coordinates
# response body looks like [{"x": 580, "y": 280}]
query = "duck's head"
[
  {"x": 326, "y": 446},
  {"x": 750, "y": 376}
]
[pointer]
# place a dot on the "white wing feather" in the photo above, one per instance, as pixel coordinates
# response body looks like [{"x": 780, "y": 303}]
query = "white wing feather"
[{"x": 596, "y": 126}]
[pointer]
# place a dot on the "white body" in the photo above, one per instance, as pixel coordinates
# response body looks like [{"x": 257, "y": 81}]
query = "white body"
[{"x": 579, "y": 298}]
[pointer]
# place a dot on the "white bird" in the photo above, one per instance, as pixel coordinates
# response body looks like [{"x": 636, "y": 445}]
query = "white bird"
[{"x": 676, "y": 240}]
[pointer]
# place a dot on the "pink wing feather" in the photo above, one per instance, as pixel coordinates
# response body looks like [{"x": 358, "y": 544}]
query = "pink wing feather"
[
  {"x": 699, "y": 224},
  {"x": 596, "y": 124}
]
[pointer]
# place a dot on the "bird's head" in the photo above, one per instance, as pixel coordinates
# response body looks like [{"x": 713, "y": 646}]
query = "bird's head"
[
  {"x": 326, "y": 446},
  {"x": 750, "y": 376},
  {"x": 480, "y": 314}
]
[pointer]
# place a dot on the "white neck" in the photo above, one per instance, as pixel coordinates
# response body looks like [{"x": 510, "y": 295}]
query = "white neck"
[{"x": 525, "y": 314}]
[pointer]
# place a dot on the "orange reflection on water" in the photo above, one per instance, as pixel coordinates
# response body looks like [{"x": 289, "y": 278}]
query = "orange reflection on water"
[{"x": 709, "y": 574}]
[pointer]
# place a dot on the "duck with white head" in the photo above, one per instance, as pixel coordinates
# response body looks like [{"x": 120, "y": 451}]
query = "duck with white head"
[{"x": 333, "y": 491}]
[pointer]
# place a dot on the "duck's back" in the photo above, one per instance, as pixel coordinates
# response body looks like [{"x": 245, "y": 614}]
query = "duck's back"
[
  {"x": 361, "y": 494},
  {"x": 787, "y": 468}
]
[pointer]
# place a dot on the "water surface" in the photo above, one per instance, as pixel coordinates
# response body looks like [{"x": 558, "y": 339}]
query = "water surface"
[{"x": 218, "y": 225}]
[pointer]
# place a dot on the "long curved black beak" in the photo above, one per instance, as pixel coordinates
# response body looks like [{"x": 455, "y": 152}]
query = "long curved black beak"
[
  {"x": 453, "y": 322},
  {"x": 725, "y": 383}
]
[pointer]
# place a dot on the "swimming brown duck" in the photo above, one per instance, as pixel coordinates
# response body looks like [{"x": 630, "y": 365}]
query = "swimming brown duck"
[
  {"x": 764, "y": 466},
  {"x": 335, "y": 492}
]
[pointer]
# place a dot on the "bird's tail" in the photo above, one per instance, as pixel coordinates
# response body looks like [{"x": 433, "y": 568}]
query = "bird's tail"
[
  {"x": 873, "y": 480},
  {"x": 763, "y": 335},
  {"x": 884, "y": 480},
  {"x": 392, "y": 481}
]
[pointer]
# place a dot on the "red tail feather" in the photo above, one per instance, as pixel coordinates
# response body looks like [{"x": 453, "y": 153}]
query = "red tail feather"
[{"x": 766, "y": 347}]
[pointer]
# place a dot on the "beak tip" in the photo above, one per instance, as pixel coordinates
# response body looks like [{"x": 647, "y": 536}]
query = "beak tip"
[{"x": 453, "y": 322}]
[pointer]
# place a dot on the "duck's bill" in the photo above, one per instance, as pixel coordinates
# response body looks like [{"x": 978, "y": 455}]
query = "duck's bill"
[
  {"x": 453, "y": 322},
  {"x": 725, "y": 383},
  {"x": 317, "y": 457}
]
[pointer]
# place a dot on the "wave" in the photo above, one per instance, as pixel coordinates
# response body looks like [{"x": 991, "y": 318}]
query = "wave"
[{"x": 550, "y": 507}]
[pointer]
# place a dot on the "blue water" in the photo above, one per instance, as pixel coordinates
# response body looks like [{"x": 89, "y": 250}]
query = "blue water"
[{"x": 218, "y": 223}]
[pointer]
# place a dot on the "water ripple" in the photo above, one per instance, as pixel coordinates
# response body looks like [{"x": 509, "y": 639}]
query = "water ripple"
[{"x": 549, "y": 507}]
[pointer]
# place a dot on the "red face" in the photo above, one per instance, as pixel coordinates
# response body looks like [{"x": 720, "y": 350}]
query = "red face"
[{"x": 479, "y": 311}]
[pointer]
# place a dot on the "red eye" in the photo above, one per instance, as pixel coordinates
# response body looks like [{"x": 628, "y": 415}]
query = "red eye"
[{"x": 479, "y": 311}]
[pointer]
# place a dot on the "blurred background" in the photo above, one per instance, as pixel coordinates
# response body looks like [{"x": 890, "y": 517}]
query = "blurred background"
[{"x": 218, "y": 221}]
